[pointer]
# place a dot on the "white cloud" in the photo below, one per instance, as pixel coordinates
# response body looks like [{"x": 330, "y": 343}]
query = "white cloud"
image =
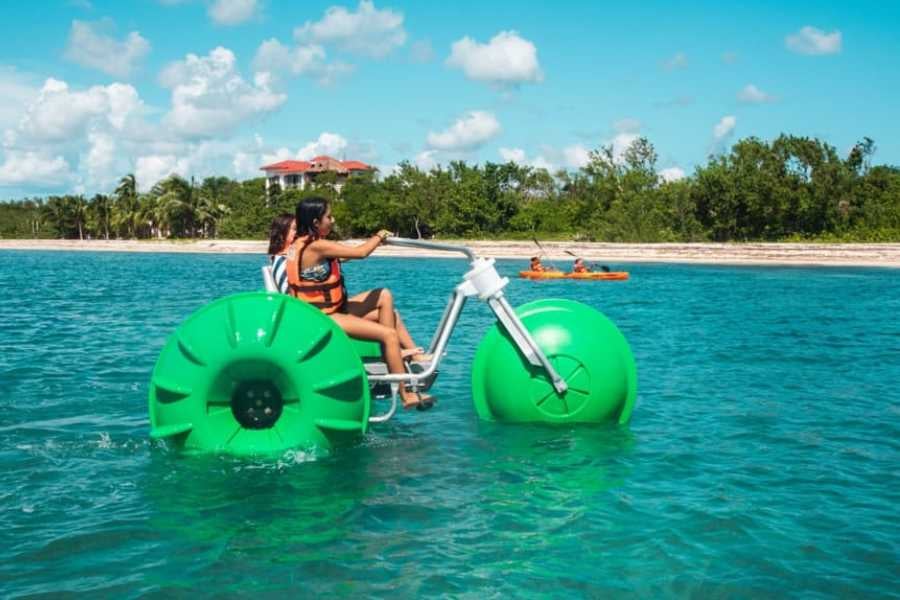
[
  {"x": 426, "y": 160},
  {"x": 151, "y": 169},
  {"x": 722, "y": 132},
  {"x": 368, "y": 31},
  {"x": 724, "y": 127},
  {"x": 17, "y": 90},
  {"x": 246, "y": 165},
  {"x": 620, "y": 144},
  {"x": 469, "y": 131},
  {"x": 750, "y": 94},
  {"x": 102, "y": 165},
  {"x": 331, "y": 144},
  {"x": 209, "y": 97},
  {"x": 277, "y": 156},
  {"x": 672, "y": 174},
  {"x": 678, "y": 61},
  {"x": 232, "y": 12},
  {"x": 38, "y": 169},
  {"x": 506, "y": 60},
  {"x": 576, "y": 156},
  {"x": 60, "y": 114},
  {"x": 516, "y": 155},
  {"x": 91, "y": 47},
  {"x": 274, "y": 57},
  {"x": 812, "y": 41}
]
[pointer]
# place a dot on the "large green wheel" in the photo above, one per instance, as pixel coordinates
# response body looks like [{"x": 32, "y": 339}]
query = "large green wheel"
[
  {"x": 258, "y": 373},
  {"x": 583, "y": 346}
]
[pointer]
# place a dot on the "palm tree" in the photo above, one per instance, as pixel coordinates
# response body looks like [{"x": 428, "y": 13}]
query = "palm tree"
[
  {"x": 101, "y": 213},
  {"x": 55, "y": 211},
  {"x": 127, "y": 207},
  {"x": 78, "y": 207}
]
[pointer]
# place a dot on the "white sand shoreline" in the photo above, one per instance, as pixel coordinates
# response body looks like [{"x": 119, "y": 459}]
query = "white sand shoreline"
[{"x": 860, "y": 255}]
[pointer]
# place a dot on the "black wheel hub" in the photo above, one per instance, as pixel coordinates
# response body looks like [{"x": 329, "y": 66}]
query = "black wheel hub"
[{"x": 256, "y": 404}]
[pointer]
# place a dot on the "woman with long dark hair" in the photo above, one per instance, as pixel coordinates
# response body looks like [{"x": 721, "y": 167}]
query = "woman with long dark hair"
[
  {"x": 281, "y": 235},
  {"x": 314, "y": 275}
]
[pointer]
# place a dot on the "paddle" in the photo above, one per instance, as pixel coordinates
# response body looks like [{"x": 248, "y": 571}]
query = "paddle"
[
  {"x": 544, "y": 254},
  {"x": 594, "y": 265}
]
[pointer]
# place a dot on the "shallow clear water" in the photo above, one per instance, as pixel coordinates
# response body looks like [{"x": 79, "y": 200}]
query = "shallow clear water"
[{"x": 763, "y": 458}]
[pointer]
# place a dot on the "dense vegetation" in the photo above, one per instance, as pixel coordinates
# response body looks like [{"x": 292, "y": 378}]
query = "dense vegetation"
[{"x": 790, "y": 188}]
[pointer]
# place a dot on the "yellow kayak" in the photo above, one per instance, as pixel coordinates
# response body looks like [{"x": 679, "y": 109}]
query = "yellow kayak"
[{"x": 598, "y": 276}]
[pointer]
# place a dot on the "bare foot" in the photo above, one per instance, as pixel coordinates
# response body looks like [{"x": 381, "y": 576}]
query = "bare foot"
[
  {"x": 410, "y": 352},
  {"x": 416, "y": 355},
  {"x": 419, "y": 401}
]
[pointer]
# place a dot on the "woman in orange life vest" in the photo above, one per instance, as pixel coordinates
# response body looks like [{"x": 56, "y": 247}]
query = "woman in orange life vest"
[
  {"x": 314, "y": 275},
  {"x": 538, "y": 267},
  {"x": 580, "y": 267}
]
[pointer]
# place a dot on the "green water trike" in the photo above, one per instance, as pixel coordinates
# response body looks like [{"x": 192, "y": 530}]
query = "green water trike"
[{"x": 262, "y": 372}]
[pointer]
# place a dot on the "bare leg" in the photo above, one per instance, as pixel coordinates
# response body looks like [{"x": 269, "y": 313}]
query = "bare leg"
[
  {"x": 367, "y": 330},
  {"x": 378, "y": 305}
]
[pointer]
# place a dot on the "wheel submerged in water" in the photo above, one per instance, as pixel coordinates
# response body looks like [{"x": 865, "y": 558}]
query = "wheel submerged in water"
[
  {"x": 584, "y": 347},
  {"x": 258, "y": 373}
]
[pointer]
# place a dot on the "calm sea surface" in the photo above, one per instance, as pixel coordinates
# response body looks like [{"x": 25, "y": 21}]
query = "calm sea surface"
[{"x": 763, "y": 458}]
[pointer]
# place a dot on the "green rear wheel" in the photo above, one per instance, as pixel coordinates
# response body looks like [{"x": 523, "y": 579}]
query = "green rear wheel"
[
  {"x": 258, "y": 373},
  {"x": 583, "y": 346}
]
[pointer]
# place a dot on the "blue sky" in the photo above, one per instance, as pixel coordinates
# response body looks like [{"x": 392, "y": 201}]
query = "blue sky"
[{"x": 91, "y": 90}]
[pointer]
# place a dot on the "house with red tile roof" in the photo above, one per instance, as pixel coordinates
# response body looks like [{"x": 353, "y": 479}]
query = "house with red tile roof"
[{"x": 297, "y": 174}]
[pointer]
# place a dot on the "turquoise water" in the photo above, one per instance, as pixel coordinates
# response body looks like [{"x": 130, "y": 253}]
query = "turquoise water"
[{"x": 763, "y": 459}]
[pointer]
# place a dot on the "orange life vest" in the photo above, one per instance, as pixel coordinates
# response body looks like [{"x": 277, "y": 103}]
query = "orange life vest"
[
  {"x": 329, "y": 296},
  {"x": 581, "y": 269}
]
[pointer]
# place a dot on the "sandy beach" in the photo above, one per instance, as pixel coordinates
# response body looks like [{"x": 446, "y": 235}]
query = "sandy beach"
[{"x": 868, "y": 255}]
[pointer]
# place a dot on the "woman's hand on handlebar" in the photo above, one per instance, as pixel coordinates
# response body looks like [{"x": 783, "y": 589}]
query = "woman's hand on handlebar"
[{"x": 384, "y": 234}]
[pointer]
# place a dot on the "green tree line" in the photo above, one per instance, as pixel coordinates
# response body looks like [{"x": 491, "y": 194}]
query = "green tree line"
[{"x": 791, "y": 188}]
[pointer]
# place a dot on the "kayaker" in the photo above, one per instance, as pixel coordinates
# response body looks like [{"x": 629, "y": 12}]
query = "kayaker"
[
  {"x": 281, "y": 235},
  {"x": 314, "y": 275},
  {"x": 580, "y": 267},
  {"x": 538, "y": 267}
]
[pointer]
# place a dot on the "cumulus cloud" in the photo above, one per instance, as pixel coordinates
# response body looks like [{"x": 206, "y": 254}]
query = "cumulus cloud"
[
  {"x": 17, "y": 91},
  {"x": 274, "y": 57},
  {"x": 90, "y": 46},
  {"x": 812, "y": 41},
  {"x": 368, "y": 31},
  {"x": 102, "y": 165},
  {"x": 516, "y": 155},
  {"x": 725, "y": 127},
  {"x": 722, "y": 132},
  {"x": 41, "y": 170},
  {"x": 469, "y": 131},
  {"x": 210, "y": 97},
  {"x": 678, "y": 61},
  {"x": 426, "y": 160},
  {"x": 750, "y": 94},
  {"x": 576, "y": 156},
  {"x": 672, "y": 174},
  {"x": 506, "y": 60},
  {"x": 152, "y": 168},
  {"x": 232, "y": 12},
  {"x": 59, "y": 114},
  {"x": 331, "y": 144}
]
